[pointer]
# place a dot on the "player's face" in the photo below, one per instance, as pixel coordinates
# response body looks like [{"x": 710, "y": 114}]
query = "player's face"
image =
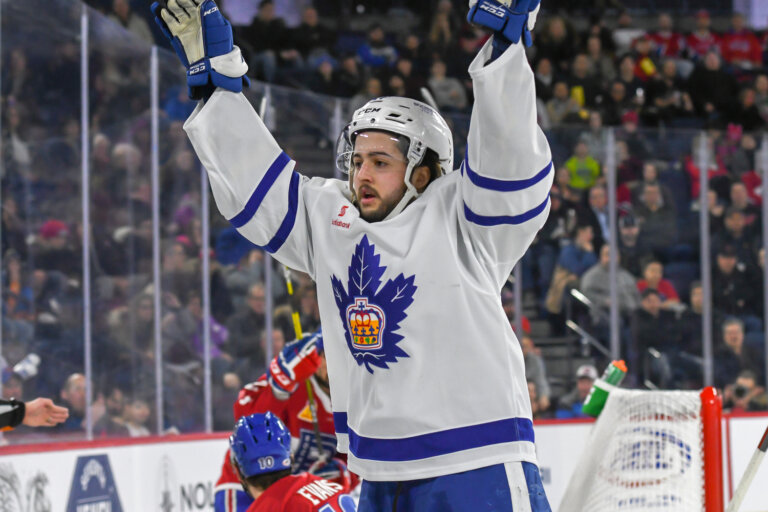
[{"x": 379, "y": 173}]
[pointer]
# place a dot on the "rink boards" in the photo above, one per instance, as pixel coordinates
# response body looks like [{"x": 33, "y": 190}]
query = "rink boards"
[{"x": 178, "y": 473}]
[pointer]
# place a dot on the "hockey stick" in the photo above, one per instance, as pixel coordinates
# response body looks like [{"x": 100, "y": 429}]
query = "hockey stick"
[
  {"x": 749, "y": 474},
  {"x": 310, "y": 395},
  {"x": 429, "y": 99},
  {"x": 297, "y": 329}
]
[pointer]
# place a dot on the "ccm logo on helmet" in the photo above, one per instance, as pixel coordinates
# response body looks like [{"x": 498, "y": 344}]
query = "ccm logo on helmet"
[{"x": 370, "y": 110}]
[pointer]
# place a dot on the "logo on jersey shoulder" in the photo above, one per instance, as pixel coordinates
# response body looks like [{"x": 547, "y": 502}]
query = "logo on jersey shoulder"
[
  {"x": 343, "y": 211},
  {"x": 371, "y": 313}
]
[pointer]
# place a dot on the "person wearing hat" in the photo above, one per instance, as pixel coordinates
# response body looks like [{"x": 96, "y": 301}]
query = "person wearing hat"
[
  {"x": 569, "y": 405},
  {"x": 737, "y": 235},
  {"x": 632, "y": 251}
]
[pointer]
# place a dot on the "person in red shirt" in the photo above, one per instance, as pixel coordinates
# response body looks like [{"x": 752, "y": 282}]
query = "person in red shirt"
[
  {"x": 261, "y": 453},
  {"x": 666, "y": 41},
  {"x": 283, "y": 392},
  {"x": 653, "y": 277},
  {"x": 702, "y": 40},
  {"x": 740, "y": 47}
]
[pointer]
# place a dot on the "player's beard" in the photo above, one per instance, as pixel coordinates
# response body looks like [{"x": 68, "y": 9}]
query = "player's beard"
[{"x": 385, "y": 207}]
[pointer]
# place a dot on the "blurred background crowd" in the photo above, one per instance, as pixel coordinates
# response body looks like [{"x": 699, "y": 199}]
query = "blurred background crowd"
[{"x": 659, "y": 80}]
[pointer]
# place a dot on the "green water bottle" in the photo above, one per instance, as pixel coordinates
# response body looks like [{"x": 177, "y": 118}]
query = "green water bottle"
[{"x": 612, "y": 376}]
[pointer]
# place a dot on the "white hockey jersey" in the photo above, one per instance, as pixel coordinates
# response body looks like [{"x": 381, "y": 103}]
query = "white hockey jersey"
[{"x": 427, "y": 377}]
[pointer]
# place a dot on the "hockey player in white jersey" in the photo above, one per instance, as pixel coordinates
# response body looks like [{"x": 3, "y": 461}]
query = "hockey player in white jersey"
[{"x": 427, "y": 378}]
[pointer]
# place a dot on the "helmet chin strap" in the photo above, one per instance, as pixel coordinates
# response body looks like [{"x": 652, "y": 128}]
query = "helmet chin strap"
[{"x": 410, "y": 193}]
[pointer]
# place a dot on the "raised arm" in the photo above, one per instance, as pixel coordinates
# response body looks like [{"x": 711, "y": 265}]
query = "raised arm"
[
  {"x": 252, "y": 179},
  {"x": 507, "y": 173}
]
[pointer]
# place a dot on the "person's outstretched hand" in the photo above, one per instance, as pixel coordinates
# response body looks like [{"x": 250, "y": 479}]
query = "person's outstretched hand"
[{"x": 42, "y": 412}]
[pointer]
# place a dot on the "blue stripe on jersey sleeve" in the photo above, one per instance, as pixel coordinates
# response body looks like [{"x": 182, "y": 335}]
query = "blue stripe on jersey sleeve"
[
  {"x": 502, "y": 185},
  {"x": 290, "y": 217},
  {"x": 242, "y": 218},
  {"x": 484, "y": 220},
  {"x": 340, "y": 422},
  {"x": 436, "y": 443}
]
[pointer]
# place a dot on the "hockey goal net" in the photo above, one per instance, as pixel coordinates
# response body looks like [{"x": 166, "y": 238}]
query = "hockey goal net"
[{"x": 651, "y": 451}]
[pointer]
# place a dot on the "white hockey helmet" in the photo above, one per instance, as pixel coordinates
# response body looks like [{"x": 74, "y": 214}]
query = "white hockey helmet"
[{"x": 421, "y": 124}]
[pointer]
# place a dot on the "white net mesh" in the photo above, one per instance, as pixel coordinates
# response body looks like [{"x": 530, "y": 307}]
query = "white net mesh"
[{"x": 644, "y": 454}]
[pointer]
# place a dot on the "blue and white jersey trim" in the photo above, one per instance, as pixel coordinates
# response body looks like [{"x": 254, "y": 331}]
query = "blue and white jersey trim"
[
  {"x": 497, "y": 220},
  {"x": 290, "y": 217},
  {"x": 435, "y": 443},
  {"x": 242, "y": 218},
  {"x": 502, "y": 185}
]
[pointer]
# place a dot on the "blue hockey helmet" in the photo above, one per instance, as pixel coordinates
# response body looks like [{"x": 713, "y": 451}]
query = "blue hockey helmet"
[{"x": 260, "y": 444}]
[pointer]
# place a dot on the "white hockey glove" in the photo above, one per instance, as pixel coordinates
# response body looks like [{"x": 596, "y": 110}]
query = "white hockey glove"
[
  {"x": 202, "y": 38},
  {"x": 510, "y": 20}
]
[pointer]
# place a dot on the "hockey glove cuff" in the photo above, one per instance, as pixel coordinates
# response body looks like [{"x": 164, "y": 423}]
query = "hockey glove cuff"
[
  {"x": 202, "y": 38},
  {"x": 298, "y": 361},
  {"x": 509, "y": 23}
]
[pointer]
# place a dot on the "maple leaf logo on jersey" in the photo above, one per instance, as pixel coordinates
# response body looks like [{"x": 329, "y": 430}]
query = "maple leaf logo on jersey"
[{"x": 371, "y": 313}]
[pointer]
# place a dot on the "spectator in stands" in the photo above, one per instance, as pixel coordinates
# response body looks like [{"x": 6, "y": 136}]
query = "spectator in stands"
[
  {"x": 744, "y": 395},
  {"x": 646, "y": 63},
  {"x": 533, "y": 395},
  {"x": 637, "y": 145},
  {"x": 562, "y": 106},
  {"x": 632, "y": 252},
  {"x": 741, "y": 201},
  {"x": 414, "y": 50},
  {"x": 575, "y": 258},
  {"x": 687, "y": 366},
  {"x": 135, "y": 417},
  {"x": 596, "y": 215},
  {"x": 713, "y": 91},
  {"x": 244, "y": 343},
  {"x": 658, "y": 223},
  {"x": 264, "y": 40},
  {"x": 122, "y": 14},
  {"x": 580, "y": 255},
  {"x": 738, "y": 235},
  {"x": 583, "y": 168},
  {"x": 376, "y": 53},
  {"x": 312, "y": 39},
  {"x": 18, "y": 295},
  {"x": 761, "y": 95},
  {"x": 747, "y": 114},
  {"x": 653, "y": 277},
  {"x": 563, "y": 182},
  {"x": 733, "y": 291},
  {"x": 594, "y": 137},
  {"x": 667, "y": 99},
  {"x": 556, "y": 43},
  {"x": 600, "y": 62},
  {"x": 733, "y": 356},
  {"x": 441, "y": 33},
  {"x": 55, "y": 251},
  {"x": 324, "y": 79},
  {"x": 584, "y": 86},
  {"x": 716, "y": 212},
  {"x": 112, "y": 423},
  {"x": 349, "y": 78},
  {"x": 545, "y": 80},
  {"x": 373, "y": 89},
  {"x": 740, "y": 47},
  {"x": 667, "y": 42},
  {"x": 448, "y": 92},
  {"x": 413, "y": 81},
  {"x": 634, "y": 87},
  {"x": 536, "y": 372},
  {"x": 650, "y": 175},
  {"x": 702, "y": 40},
  {"x": 72, "y": 396},
  {"x": 654, "y": 340},
  {"x": 569, "y": 405},
  {"x": 616, "y": 104},
  {"x": 309, "y": 309},
  {"x": 539, "y": 261},
  {"x": 596, "y": 285}
]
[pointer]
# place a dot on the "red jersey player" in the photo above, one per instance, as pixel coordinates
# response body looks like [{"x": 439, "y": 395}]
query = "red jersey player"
[
  {"x": 283, "y": 393},
  {"x": 261, "y": 452}
]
